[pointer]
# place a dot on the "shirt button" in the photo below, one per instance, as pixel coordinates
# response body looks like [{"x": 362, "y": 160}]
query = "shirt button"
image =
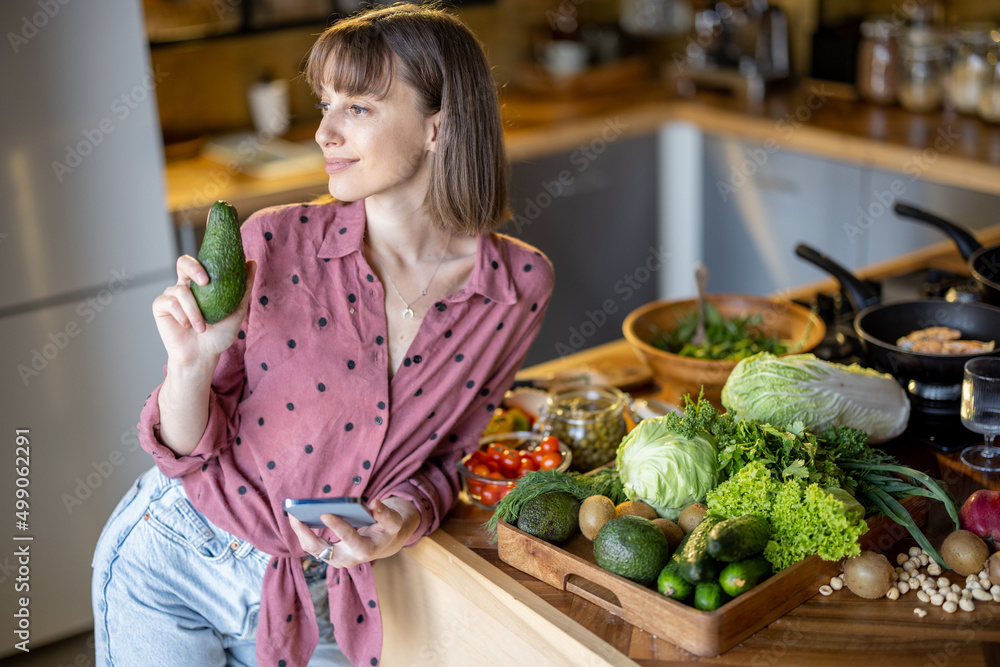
[
  {"x": 352, "y": 311},
  {"x": 357, "y": 479},
  {"x": 234, "y": 545}
]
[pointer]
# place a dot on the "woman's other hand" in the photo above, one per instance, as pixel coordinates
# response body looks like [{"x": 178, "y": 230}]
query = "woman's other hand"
[
  {"x": 189, "y": 341},
  {"x": 395, "y": 521}
]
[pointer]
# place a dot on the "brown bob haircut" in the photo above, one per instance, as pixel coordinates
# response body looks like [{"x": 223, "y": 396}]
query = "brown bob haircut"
[{"x": 441, "y": 59}]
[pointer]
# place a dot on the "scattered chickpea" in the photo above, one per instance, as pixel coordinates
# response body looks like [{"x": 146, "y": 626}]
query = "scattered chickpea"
[
  {"x": 973, "y": 585},
  {"x": 966, "y": 593},
  {"x": 995, "y": 589},
  {"x": 955, "y": 588},
  {"x": 825, "y": 590},
  {"x": 967, "y": 605},
  {"x": 950, "y": 607},
  {"x": 933, "y": 569},
  {"x": 901, "y": 558},
  {"x": 951, "y": 595},
  {"x": 923, "y": 596},
  {"x": 937, "y": 599},
  {"x": 892, "y": 593},
  {"x": 996, "y": 597},
  {"x": 920, "y": 612},
  {"x": 904, "y": 576},
  {"x": 985, "y": 583},
  {"x": 908, "y": 566},
  {"x": 981, "y": 595},
  {"x": 903, "y": 587},
  {"x": 914, "y": 551},
  {"x": 943, "y": 582},
  {"x": 836, "y": 583},
  {"x": 924, "y": 560},
  {"x": 972, "y": 577}
]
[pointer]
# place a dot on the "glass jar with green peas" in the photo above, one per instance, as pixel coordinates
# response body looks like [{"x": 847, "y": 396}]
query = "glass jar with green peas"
[{"x": 590, "y": 419}]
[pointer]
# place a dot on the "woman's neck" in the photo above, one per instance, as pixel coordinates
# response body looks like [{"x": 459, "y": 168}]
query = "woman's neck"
[{"x": 402, "y": 234}]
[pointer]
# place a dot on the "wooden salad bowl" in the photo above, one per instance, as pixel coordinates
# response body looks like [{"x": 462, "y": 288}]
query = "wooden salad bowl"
[{"x": 677, "y": 375}]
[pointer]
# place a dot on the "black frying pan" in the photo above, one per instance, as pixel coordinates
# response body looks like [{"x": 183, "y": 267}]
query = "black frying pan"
[
  {"x": 879, "y": 326},
  {"x": 984, "y": 263}
]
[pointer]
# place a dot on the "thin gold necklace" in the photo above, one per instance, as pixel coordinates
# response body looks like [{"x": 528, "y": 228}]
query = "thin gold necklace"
[{"x": 407, "y": 310}]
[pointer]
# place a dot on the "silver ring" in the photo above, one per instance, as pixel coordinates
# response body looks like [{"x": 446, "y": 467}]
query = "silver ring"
[{"x": 325, "y": 554}]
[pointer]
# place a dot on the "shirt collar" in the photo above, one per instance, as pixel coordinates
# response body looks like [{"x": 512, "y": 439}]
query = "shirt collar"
[{"x": 490, "y": 277}]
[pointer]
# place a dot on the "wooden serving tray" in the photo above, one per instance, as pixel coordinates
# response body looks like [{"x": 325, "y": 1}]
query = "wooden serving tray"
[{"x": 572, "y": 567}]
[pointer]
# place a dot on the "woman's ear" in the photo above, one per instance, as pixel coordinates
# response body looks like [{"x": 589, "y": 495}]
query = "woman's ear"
[{"x": 433, "y": 131}]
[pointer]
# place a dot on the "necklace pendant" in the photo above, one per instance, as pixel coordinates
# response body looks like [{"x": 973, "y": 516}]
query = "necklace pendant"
[{"x": 407, "y": 313}]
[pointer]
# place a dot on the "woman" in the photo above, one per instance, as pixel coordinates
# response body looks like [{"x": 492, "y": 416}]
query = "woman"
[{"x": 376, "y": 337}]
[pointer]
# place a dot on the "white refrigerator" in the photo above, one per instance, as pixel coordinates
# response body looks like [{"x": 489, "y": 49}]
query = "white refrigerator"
[{"x": 85, "y": 246}]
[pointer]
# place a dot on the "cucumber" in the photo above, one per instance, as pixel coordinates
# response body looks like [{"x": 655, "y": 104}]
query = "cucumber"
[
  {"x": 709, "y": 596},
  {"x": 672, "y": 584},
  {"x": 694, "y": 563},
  {"x": 739, "y": 538},
  {"x": 741, "y": 576}
]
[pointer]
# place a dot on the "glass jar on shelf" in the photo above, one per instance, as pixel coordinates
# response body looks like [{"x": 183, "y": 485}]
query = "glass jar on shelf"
[
  {"x": 924, "y": 67},
  {"x": 989, "y": 97},
  {"x": 969, "y": 66},
  {"x": 878, "y": 60}
]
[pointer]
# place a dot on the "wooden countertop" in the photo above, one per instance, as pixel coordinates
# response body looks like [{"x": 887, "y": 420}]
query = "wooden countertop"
[
  {"x": 524, "y": 619},
  {"x": 813, "y": 117}
]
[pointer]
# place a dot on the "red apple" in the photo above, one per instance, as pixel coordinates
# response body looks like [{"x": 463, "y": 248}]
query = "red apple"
[{"x": 980, "y": 514}]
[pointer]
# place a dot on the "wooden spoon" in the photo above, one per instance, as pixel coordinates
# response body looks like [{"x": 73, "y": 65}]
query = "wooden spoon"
[{"x": 701, "y": 278}]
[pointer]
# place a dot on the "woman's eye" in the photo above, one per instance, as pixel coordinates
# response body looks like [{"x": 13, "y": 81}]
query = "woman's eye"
[
  {"x": 323, "y": 106},
  {"x": 358, "y": 110}
]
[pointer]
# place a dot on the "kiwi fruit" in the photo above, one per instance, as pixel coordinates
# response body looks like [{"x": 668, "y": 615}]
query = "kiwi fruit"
[
  {"x": 965, "y": 552},
  {"x": 595, "y": 511},
  {"x": 672, "y": 531},
  {"x": 691, "y": 516},
  {"x": 868, "y": 575},
  {"x": 993, "y": 568},
  {"x": 636, "y": 508}
]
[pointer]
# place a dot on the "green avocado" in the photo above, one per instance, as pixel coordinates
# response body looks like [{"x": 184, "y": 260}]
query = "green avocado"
[
  {"x": 633, "y": 547},
  {"x": 553, "y": 517},
  {"x": 222, "y": 256}
]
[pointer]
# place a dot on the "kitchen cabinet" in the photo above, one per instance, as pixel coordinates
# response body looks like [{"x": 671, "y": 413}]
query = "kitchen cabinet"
[
  {"x": 593, "y": 212},
  {"x": 760, "y": 201},
  {"x": 889, "y": 235}
]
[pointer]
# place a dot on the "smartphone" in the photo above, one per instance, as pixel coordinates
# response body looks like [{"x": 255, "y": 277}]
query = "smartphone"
[{"x": 307, "y": 510}]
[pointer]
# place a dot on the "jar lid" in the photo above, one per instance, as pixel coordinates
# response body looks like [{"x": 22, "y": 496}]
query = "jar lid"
[
  {"x": 976, "y": 33},
  {"x": 923, "y": 42},
  {"x": 881, "y": 26}
]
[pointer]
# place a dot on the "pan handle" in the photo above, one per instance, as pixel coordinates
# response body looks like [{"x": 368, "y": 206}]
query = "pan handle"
[
  {"x": 966, "y": 242},
  {"x": 859, "y": 293}
]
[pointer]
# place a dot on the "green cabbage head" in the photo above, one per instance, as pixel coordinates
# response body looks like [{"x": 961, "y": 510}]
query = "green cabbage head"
[
  {"x": 802, "y": 387},
  {"x": 665, "y": 469}
]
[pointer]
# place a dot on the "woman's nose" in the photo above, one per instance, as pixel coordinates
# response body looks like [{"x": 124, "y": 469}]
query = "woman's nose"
[{"x": 327, "y": 133}]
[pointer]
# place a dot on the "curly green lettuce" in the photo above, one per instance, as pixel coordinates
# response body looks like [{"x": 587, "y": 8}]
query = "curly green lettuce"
[{"x": 806, "y": 518}]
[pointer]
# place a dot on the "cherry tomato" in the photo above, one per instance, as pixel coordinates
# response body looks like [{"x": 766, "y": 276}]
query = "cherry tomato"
[
  {"x": 527, "y": 464},
  {"x": 510, "y": 464},
  {"x": 495, "y": 474},
  {"x": 475, "y": 488},
  {"x": 478, "y": 456},
  {"x": 495, "y": 451},
  {"x": 548, "y": 444},
  {"x": 491, "y": 494},
  {"x": 480, "y": 469},
  {"x": 551, "y": 460},
  {"x": 536, "y": 456},
  {"x": 493, "y": 467}
]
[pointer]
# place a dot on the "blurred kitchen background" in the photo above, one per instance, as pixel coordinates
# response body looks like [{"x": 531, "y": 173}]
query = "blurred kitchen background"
[{"x": 644, "y": 135}]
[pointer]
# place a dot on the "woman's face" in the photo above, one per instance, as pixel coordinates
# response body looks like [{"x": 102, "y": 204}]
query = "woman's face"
[{"x": 377, "y": 147}]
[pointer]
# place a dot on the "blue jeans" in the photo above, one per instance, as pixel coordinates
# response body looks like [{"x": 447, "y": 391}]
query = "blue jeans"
[{"x": 170, "y": 588}]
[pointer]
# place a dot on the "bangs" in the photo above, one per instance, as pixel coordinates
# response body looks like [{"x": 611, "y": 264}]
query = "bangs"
[{"x": 352, "y": 58}]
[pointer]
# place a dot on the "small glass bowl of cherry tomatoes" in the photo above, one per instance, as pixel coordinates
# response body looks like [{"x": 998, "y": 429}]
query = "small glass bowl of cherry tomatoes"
[{"x": 491, "y": 471}]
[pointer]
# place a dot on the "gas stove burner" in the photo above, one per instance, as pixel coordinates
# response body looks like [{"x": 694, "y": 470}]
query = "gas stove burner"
[{"x": 935, "y": 392}]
